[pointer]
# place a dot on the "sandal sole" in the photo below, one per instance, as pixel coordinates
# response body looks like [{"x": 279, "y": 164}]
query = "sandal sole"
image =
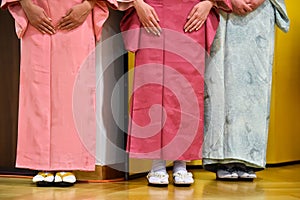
[
  {"x": 182, "y": 184},
  {"x": 226, "y": 179},
  {"x": 44, "y": 184},
  {"x": 158, "y": 184},
  {"x": 63, "y": 184}
]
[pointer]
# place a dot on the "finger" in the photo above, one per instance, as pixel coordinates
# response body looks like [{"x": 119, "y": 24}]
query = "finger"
[
  {"x": 243, "y": 12},
  {"x": 192, "y": 26},
  {"x": 192, "y": 12},
  {"x": 61, "y": 21},
  {"x": 188, "y": 25},
  {"x": 247, "y": 8},
  {"x": 146, "y": 28},
  {"x": 153, "y": 28},
  {"x": 41, "y": 30},
  {"x": 47, "y": 22},
  {"x": 66, "y": 26},
  {"x": 156, "y": 25},
  {"x": 44, "y": 29},
  {"x": 64, "y": 22},
  {"x": 192, "y": 22},
  {"x": 250, "y": 5},
  {"x": 68, "y": 13},
  {"x": 199, "y": 25},
  {"x": 155, "y": 15},
  {"x": 49, "y": 19},
  {"x": 59, "y": 24},
  {"x": 240, "y": 12},
  {"x": 71, "y": 26},
  {"x": 65, "y": 19},
  {"x": 48, "y": 26}
]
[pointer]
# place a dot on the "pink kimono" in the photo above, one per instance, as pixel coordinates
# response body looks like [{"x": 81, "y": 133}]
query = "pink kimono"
[
  {"x": 168, "y": 91},
  {"x": 57, "y": 89}
]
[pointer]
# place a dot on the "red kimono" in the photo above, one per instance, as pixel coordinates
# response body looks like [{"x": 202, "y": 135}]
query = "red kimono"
[{"x": 168, "y": 91}]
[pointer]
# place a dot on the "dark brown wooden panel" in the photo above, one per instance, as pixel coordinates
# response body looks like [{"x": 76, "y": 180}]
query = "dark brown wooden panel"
[{"x": 9, "y": 84}]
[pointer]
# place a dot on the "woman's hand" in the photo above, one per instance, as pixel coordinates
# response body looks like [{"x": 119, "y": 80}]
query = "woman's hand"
[
  {"x": 37, "y": 17},
  {"x": 197, "y": 16},
  {"x": 254, "y": 4},
  {"x": 241, "y": 7},
  {"x": 76, "y": 15},
  {"x": 147, "y": 17}
]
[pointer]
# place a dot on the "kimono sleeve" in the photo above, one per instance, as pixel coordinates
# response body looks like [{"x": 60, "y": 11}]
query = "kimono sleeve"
[
  {"x": 281, "y": 17},
  {"x": 212, "y": 21},
  {"x": 224, "y": 5},
  {"x": 100, "y": 14},
  {"x": 131, "y": 26},
  {"x": 21, "y": 21},
  {"x": 124, "y": 4},
  {"x": 211, "y": 26}
]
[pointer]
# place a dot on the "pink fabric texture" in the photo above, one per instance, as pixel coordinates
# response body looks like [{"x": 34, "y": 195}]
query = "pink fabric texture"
[
  {"x": 167, "y": 101},
  {"x": 57, "y": 126}
]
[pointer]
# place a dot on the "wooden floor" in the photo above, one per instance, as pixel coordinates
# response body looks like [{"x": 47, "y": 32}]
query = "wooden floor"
[{"x": 281, "y": 183}]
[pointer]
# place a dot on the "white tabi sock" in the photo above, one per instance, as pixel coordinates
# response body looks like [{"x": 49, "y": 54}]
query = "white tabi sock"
[
  {"x": 159, "y": 166},
  {"x": 179, "y": 165}
]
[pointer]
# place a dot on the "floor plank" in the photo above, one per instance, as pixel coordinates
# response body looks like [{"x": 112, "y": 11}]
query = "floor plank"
[{"x": 280, "y": 183}]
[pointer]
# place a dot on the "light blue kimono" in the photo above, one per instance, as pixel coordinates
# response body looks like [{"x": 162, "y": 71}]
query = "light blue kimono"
[{"x": 238, "y": 86}]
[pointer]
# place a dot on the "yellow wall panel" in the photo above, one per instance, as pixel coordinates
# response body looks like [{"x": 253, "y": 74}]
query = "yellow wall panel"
[{"x": 284, "y": 134}]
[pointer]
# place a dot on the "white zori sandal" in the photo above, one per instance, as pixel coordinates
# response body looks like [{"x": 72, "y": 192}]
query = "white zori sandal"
[
  {"x": 43, "y": 179},
  {"x": 158, "y": 178},
  {"x": 183, "y": 177},
  {"x": 64, "y": 179}
]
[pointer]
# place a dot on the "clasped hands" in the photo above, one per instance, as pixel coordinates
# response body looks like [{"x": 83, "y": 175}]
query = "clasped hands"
[
  {"x": 38, "y": 18},
  {"x": 150, "y": 21},
  {"x": 243, "y": 7}
]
